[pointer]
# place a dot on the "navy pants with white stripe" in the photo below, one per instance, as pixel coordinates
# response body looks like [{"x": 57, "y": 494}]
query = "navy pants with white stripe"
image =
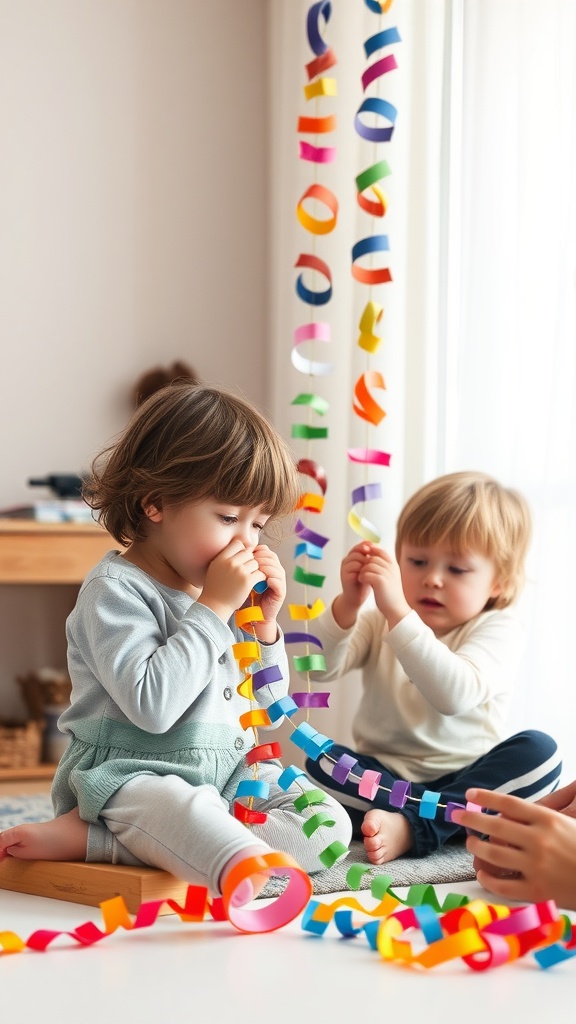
[{"x": 527, "y": 765}]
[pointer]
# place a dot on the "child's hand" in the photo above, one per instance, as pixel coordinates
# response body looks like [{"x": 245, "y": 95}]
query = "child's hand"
[
  {"x": 381, "y": 572},
  {"x": 272, "y": 599},
  {"x": 229, "y": 579},
  {"x": 354, "y": 593}
]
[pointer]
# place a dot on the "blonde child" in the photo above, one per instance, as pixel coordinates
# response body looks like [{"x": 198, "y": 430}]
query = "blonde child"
[
  {"x": 157, "y": 751},
  {"x": 438, "y": 642}
]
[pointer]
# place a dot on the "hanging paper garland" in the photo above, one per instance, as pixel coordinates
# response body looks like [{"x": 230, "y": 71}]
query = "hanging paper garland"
[
  {"x": 372, "y": 201},
  {"x": 317, "y": 213}
]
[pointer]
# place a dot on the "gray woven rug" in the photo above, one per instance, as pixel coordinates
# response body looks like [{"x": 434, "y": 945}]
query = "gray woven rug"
[{"x": 451, "y": 864}]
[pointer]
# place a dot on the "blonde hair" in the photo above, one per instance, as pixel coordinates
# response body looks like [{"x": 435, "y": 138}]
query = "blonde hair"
[
  {"x": 472, "y": 512},
  {"x": 188, "y": 442}
]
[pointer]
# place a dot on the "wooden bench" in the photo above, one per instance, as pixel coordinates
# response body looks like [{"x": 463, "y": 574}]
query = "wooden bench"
[{"x": 91, "y": 884}]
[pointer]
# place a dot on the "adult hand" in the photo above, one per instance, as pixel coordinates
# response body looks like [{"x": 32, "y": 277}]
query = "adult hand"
[{"x": 531, "y": 853}]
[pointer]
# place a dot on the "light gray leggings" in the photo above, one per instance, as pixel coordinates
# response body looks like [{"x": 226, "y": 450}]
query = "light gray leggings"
[{"x": 190, "y": 831}]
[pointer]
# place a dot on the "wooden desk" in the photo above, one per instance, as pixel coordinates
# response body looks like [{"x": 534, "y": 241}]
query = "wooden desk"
[
  {"x": 32, "y": 552},
  {"x": 53, "y": 553}
]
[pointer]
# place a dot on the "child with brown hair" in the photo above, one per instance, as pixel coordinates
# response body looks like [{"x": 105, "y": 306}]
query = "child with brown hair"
[
  {"x": 438, "y": 641},
  {"x": 158, "y": 750}
]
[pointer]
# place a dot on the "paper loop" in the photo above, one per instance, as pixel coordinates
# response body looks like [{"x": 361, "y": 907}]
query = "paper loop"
[
  {"x": 320, "y": 64},
  {"x": 317, "y": 154},
  {"x": 310, "y": 663},
  {"x": 365, "y": 407},
  {"x": 428, "y": 804},
  {"x": 368, "y": 785},
  {"x": 316, "y": 125},
  {"x": 304, "y": 611},
  {"x": 379, "y": 68},
  {"x": 367, "y": 246},
  {"x": 311, "y": 700},
  {"x": 370, "y": 456},
  {"x": 265, "y": 676},
  {"x": 316, "y": 225},
  {"x": 322, "y": 9},
  {"x": 374, "y": 105},
  {"x": 264, "y": 752},
  {"x": 302, "y": 638},
  {"x": 277, "y": 914},
  {"x": 308, "y": 467},
  {"x": 247, "y": 815},
  {"x": 307, "y": 534},
  {"x": 284, "y": 706},
  {"x": 387, "y": 37},
  {"x": 253, "y": 788},
  {"x": 399, "y": 793},
  {"x": 308, "y": 579},
  {"x": 343, "y": 767},
  {"x": 288, "y": 776}
]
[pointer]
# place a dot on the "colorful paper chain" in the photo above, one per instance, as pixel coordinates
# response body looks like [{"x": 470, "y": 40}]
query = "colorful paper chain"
[
  {"x": 483, "y": 935},
  {"x": 311, "y": 742}
]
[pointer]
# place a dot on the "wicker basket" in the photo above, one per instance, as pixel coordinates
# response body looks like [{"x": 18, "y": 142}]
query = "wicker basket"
[
  {"x": 20, "y": 744},
  {"x": 42, "y": 690}
]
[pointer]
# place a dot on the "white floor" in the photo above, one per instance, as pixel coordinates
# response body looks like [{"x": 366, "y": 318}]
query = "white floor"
[{"x": 210, "y": 971}]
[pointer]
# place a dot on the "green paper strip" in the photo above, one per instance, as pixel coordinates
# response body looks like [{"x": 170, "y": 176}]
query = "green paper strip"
[
  {"x": 316, "y": 821},
  {"x": 320, "y": 405},
  {"x": 310, "y": 663},
  {"x": 309, "y": 433},
  {"x": 310, "y": 796},
  {"x": 311, "y": 579},
  {"x": 336, "y": 851}
]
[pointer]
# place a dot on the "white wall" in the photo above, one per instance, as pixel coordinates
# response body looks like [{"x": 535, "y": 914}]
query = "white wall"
[{"x": 132, "y": 212}]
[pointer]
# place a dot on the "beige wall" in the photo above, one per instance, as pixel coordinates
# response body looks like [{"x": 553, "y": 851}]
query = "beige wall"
[{"x": 132, "y": 210}]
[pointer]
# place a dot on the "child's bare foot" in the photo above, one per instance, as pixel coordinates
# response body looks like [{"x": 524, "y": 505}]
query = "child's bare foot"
[
  {"x": 387, "y": 835},
  {"x": 62, "y": 838}
]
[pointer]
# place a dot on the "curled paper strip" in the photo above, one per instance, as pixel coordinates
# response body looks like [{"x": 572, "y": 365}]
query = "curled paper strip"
[
  {"x": 317, "y": 154},
  {"x": 380, "y": 67},
  {"x": 323, "y": 9},
  {"x": 277, "y": 914},
  {"x": 316, "y": 225},
  {"x": 387, "y": 37},
  {"x": 321, "y": 87},
  {"x": 385, "y": 110},
  {"x": 483, "y": 935},
  {"x": 374, "y": 243},
  {"x": 312, "y": 503},
  {"x": 301, "y": 638},
  {"x": 364, "y": 405},
  {"x": 310, "y": 468},
  {"x": 316, "y": 125},
  {"x": 311, "y": 262},
  {"x": 367, "y": 179},
  {"x": 311, "y": 700},
  {"x": 369, "y": 340},
  {"x": 318, "y": 331},
  {"x": 306, "y": 534},
  {"x": 379, "y": 6},
  {"x": 320, "y": 64},
  {"x": 369, "y": 455},
  {"x": 306, "y": 612},
  {"x": 363, "y": 527}
]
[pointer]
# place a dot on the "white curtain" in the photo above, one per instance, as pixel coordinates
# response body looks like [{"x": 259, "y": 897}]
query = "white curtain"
[
  {"x": 511, "y": 352},
  {"x": 478, "y": 350}
]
